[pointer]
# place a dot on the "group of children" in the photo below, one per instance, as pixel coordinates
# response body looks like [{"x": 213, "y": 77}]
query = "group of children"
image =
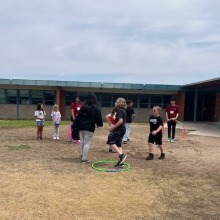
[{"x": 85, "y": 118}]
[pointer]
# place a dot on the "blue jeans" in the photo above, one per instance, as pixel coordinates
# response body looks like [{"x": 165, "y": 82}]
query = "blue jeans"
[{"x": 127, "y": 133}]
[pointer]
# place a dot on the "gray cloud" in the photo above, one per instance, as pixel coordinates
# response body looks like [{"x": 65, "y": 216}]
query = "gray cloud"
[{"x": 171, "y": 42}]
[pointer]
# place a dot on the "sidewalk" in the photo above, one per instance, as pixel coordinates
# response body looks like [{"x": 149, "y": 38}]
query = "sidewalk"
[{"x": 210, "y": 129}]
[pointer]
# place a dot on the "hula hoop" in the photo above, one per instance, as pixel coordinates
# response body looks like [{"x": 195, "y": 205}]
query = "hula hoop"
[
  {"x": 114, "y": 169},
  {"x": 183, "y": 129},
  {"x": 69, "y": 132}
]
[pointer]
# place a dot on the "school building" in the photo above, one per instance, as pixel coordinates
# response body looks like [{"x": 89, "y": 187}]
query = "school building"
[{"x": 198, "y": 101}]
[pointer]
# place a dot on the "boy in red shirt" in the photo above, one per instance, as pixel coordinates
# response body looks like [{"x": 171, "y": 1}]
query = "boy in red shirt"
[{"x": 172, "y": 113}]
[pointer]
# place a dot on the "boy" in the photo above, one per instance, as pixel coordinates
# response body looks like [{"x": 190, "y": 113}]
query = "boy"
[
  {"x": 130, "y": 115},
  {"x": 155, "y": 136}
]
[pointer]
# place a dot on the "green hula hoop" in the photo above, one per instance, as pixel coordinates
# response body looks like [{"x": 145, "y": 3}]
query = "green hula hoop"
[{"x": 126, "y": 166}]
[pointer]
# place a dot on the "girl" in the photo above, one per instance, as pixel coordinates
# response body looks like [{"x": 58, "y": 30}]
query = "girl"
[
  {"x": 155, "y": 136},
  {"x": 56, "y": 117},
  {"x": 117, "y": 131},
  {"x": 39, "y": 117},
  {"x": 89, "y": 116},
  {"x": 172, "y": 113},
  {"x": 75, "y": 106}
]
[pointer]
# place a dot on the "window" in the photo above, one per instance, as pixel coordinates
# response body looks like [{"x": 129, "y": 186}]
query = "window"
[
  {"x": 11, "y": 96},
  {"x": 144, "y": 100},
  {"x": 37, "y": 96},
  {"x": 49, "y": 97},
  {"x": 106, "y": 100},
  {"x": 166, "y": 100},
  {"x": 24, "y": 97},
  {"x": 156, "y": 100},
  {"x": 2, "y": 96}
]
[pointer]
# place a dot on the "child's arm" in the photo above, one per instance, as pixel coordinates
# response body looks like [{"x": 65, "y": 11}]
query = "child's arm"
[
  {"x": 158, "y": 130},
  {"x": 120, "y": 121}
]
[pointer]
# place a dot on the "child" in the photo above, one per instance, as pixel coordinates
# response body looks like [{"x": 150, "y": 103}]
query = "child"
[
  {"x": 117, "y": 131},
  {"x": 172, "y": 113},
  {"x": 56, "y": 117},
  {"x": 111, "y": 121},
  {"x": 155, "y": 136},
  {"x": 75, "y": 106},
  {"x": 130, "y": 116},
  {"x": 39, "y": 116},
  {"x": 88, "y": 117}
]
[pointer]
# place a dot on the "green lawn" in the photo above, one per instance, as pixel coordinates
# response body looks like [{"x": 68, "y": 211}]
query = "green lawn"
[{"x": 25, "y": 123}]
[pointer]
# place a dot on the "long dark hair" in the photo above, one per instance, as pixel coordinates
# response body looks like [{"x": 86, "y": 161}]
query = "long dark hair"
[{"x": 90, "y": 104}]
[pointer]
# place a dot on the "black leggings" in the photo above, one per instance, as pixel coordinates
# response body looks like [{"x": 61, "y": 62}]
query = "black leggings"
[{"x": 171, "y": 127}]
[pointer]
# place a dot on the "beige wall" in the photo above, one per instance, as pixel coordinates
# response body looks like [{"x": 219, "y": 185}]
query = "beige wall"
[{"x": 9, "y": 111}]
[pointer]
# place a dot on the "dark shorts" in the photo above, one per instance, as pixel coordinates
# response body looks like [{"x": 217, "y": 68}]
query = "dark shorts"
[
  {"x": 116, "y": 137},
  {"x": 155, "y": 139}
]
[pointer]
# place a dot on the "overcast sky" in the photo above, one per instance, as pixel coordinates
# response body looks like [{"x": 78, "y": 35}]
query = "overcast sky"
[{"x": 130, "y": 41}]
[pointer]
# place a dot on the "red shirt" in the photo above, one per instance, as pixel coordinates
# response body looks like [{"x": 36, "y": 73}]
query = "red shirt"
[
  {"x": 172, "y": 111},
  {"x": 76, "y": 107},
  {"x": 112, "y": 119}
]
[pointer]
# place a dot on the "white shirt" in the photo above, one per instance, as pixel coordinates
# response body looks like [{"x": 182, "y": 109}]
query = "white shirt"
[
  {"x": 40, "y": 115},
  {"x": 56, "y": 116}
]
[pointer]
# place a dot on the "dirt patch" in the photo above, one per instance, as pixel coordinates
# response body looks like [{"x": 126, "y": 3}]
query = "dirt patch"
[{"x": 47, "y": 180}]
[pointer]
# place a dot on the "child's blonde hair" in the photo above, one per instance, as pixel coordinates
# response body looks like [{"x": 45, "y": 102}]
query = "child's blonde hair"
[
  {"x": 158, "y": 108},
  {"x": 56, "y": 106},
  {"x": 120, "y": 102}
]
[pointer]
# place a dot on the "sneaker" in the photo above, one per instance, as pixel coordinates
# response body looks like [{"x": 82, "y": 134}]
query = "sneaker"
[
  {"x": 125, "y": 142},
  {"x": 162, "y": 156},
  {"x": 150, "y": 157},
  {"x": 85, "y": 161},
  {"x": 119, "y": 165},
  {"x": 168, "y": 139},
  {"x": 54, "y": 138},
  {"x": 172, "y": 141},
  {"x": 79, "y": 142},
  {"x": 41, "y": 138},
  {"x": 128, "y": 139},
  {"x": 58, "y": 138},
  {"x": 122, "y": 158}
]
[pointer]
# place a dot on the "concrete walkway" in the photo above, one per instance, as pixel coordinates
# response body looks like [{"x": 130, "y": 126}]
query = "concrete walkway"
[{"x": 210, "y": 129}]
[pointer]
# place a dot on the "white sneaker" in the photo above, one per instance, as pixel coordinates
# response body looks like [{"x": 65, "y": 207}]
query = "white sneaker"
[
  {"x": 58, "y": 138},
  {"x": 54, "y": 138},
  {"x": 172, "y": 141}
]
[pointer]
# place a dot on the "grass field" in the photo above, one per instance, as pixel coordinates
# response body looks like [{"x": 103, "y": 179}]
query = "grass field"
[{"x": 46, "y": 180}]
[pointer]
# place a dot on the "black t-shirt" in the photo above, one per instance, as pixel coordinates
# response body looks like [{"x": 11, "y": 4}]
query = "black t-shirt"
[
  {"x": 129, "y": 112},
  {"x": 155, "y": 123},
  {"x": 120, "y": 113}
]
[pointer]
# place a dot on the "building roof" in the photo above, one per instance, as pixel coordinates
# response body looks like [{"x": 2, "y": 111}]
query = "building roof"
[
  {"x": 204, "y": 84},
  {"x": 25, "y": 82}
]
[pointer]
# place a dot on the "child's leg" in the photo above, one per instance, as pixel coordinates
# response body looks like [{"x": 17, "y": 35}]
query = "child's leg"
[
  {"x": 169, "y": 130},
  {"x": 41, "y": 131},
  {"x": 87, "y": 142},
  {"x": 151, "y": 155},
  {"x": 117, "y": 149},
  {"x": 150, "y": 146},
  {"x": 173, "y": 130},
  {"x": 161, "y": 148},
  {"x": 38, "y": 132}
]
